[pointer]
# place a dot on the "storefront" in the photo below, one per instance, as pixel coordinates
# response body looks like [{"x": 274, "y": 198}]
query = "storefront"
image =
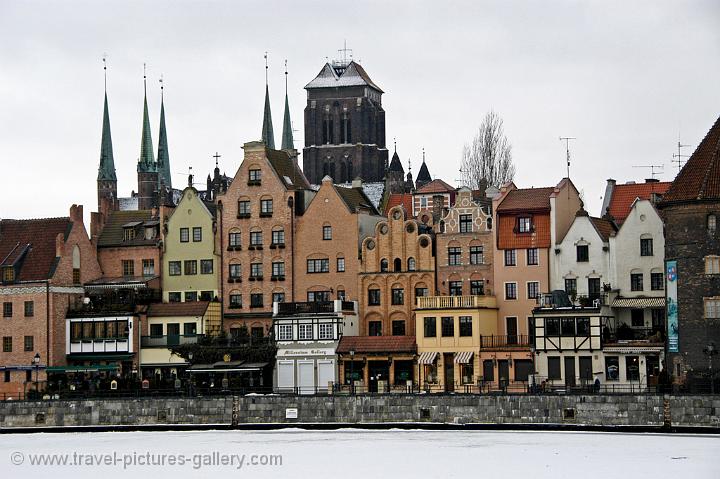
[{"x": 377, "y": 364}]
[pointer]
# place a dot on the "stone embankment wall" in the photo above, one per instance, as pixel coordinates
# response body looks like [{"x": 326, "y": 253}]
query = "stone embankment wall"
[{"x": 590, "y": 410}]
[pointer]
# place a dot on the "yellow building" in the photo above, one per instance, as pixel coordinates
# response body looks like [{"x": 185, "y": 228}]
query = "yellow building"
[
  {"x": 191, "y": 260},
  {"x": 449, "y": 335}
]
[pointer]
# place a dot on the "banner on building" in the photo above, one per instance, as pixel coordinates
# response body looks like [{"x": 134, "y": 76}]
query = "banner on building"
[{"x": 672, "y": 305}]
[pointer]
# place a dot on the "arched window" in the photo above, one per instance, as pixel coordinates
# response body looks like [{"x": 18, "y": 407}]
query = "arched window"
[
  {"x": 489, "y": 223},
  {"x": 397, "y": 265},
  {"x": 383, "y": 265},
  {"x": 76, "y": 264},
  {"x": 411, "y": 264}
]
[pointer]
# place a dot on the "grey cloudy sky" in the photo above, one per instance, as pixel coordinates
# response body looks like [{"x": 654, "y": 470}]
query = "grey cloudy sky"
[{"x": 623, "y": 77}]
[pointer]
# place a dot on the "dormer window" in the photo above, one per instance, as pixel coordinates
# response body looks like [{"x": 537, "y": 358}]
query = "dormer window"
[
  {"x": 128, "y": 234},
  {"x": 8, "y": 274},
  {"x": 524, "y": 224}
]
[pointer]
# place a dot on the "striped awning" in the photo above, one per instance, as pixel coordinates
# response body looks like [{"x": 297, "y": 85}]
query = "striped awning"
[
  {"x": 638, "y": 303},
  {"x": 463, "y": 357},
  {"x": 428, "y": 357},
  {"x": 633, "y": 349}
]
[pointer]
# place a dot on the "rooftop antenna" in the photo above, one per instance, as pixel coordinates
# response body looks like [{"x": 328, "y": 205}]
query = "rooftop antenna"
[
  {"x": 652, "y": 169},
  {"x": 105, "y": 69},
  {"x": 344, "y": 51},
  {"x": 678, "y": 157},
  {"x": 567, "y": 139}
]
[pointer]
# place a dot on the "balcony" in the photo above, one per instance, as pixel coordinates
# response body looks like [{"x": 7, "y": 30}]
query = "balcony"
[
  {"x": 505, "y": 341},
  {"x": 169, "y": 340},
  {"x": 561, "y": 299},
  {"x": 314, "y": 307},
  {"x": 455, "y": 302},
  {"x": 99, "y": 345}
]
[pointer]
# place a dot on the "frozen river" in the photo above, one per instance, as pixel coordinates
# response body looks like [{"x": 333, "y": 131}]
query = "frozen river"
[{"x": 355, "y": 453}]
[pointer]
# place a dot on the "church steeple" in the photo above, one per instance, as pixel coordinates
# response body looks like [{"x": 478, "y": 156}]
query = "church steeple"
[
  {"x": 106, "y": 179},
  {"x": 163, "y": 156},
  {"x": 268, "y": 137},
  {"x": 423, "y": 176},
  {"x": 147, "y": 159},
  {"x": 287, "y": 135}
]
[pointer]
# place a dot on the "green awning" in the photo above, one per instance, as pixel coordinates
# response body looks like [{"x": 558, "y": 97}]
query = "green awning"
[
  {"x": 82, "y": 369},
  {"x": 100, "y": 357}
]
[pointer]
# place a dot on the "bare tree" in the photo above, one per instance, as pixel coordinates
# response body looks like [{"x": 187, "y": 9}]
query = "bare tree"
[{"x": 489, "y": 156}]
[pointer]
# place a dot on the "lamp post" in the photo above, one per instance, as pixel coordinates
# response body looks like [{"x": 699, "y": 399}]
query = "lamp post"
[
  {"x": 710, "y": 350},
  {"x": 352, "y": 371},
  {"x": 189, "y": 378},
  {"x": 36, "y": 363}
]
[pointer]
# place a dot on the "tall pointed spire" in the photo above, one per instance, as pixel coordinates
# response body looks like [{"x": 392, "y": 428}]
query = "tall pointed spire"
[
  {"x": 268, "y": 137},
  {"x": 147, "y": 158},
  {"x": 106, "y": 171},
  {"x": 287, "y": 135},
  {"x": 163, "y": 156}
]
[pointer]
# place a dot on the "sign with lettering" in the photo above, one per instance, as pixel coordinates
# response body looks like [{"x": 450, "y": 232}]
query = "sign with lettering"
[
  {"x": 306, "y": 352},
  {"x": 672, "y": 306}
]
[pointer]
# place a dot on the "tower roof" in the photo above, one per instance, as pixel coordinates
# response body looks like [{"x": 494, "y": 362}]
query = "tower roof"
[
  {"x": 268, "y": 137},
  {"x": 106, "y": 171},
  {"x": 340, "y": 74},
  {"x": 147, "y": 158},
  {"x": 396, "y": 164},
  {"x": 287, "y": 135},
  {"x": 424, "y": 175},
  {"x": 163, "y": 156}
]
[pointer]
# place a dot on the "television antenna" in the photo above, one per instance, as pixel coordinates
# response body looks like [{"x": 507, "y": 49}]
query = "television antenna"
[
  {"x": 567, "y": 139},
  {"x": 652, "y": 169},
  {"x": 678, "y": 157}
]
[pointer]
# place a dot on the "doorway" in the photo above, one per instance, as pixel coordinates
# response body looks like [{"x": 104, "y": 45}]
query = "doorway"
[
  {"x": 570, "y": 371},
  {"x": 377, "y": 371},
  {"x": 449, "y": 372}
]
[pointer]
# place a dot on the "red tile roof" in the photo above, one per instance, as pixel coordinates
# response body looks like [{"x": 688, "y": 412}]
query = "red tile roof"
[
  {"x": 623, "y": 197},
  {"x": 605, "y": 228},
  {"x": 435, "y": 186},
  {"x": 404, "y": 199},
  {"x": 29, "y": 245},
  {"x": 700, "y": 177},
  {"x": 190, "y": 308},
  {"x": 509, "y": 239},
  {"x": 527, "y": 199},
  {"x": 377, "y": 344}
]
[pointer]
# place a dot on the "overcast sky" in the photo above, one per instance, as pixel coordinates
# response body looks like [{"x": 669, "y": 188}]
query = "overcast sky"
[{"x": 623, "y": 77}]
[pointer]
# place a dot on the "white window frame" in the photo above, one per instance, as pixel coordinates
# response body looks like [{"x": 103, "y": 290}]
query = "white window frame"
[
  {"x": 285, "y": 332},
  {"x": 325, "y": 331},
  {"x": 305, "y": 332}
]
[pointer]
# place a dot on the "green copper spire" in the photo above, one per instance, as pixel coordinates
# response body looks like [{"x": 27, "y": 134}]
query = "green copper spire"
[
  {"x": 106, "y": 171},
  {"x": 268, "y": 136},
  {"x": 287, "y": 135},
  {"x": 147, "y": 159},
  {"x": 163, "y": 156}
]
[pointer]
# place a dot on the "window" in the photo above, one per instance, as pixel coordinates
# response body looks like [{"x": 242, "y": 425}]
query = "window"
[
  {"x": 256, "y": 270},
  {"x": 256, "y": 238},
  {"x": 278, "y": 269},
  {"x": 254, "y": 176},
  {"x": 632, "y": 368},
  {"x": 510, "y": 290},
  {"x": 235, "y": 271},
  {"x": 553, "y": 366},
  {"x": 636, "y": 282},
  {"x": 466, "y": 326},
  {"x": 29, "y": 309},
  {"x": 318, "y": 265},
  {"x": 340, "y": 265},
  {"x": 583, "y": 326},
  {"x": 190, "y": 266},
  {"x": 8, "y": 274},
  {"x": 524, "y": 225},
  {"x": 278, "y": 297},
  {"x": 7, "y": 376},
  {"x": 397, "y": 265},
  {"x": 340, "y": 294},
  {"x": 174, "y": 268},
  {"x": 128, "y": 234},
  {"x": 523, "y": 368},
  {"x": 567, "y": 326},
  {"x": 244, "y": 208},
  {"x": 305, "y": 332},
  {"x": 533, "y": 289},
  {"x": 476, "y": 255},
  {"x": 235, "y": 300},
  {"x": 28, "y": 343},
  {"x": 374, "y": 297},
  {"x": 423, "y": 202},
  {"x": 571, "y": 286},
  {"x": 266, "y": 207},
  {"x": 411, "y": 265},
  {"x": 552, "y": 326},
  {"x": 256, "y": 300},
  {"x": 532, "y": 256},
  {"x": 456, "y": 288},
  {"x": 383, "y": 265},
  {"x": 375, "y": 328},
  {"x": 465, "y": 223},
  {"x": 318, "y": 296},
  {"x": 278, "y": 237},
  {"x": 398, "y": 328},
  {"x": 190, "y": 296},
  {"x": 148, "y": 266},
  {"x": 711, "y": 223},
  {"x": 76, "y": 275},
  {"x": 206, "y": 295},
  {"x": 637, "y": 318},
  {"x": 477, "y": 287},
  {"x": 234, "y": 239},
  {"x": 646, "y": 247},
  {"x": 583, "y": 254},
  {"x": 197, "y": 234},
  {"x": 7, "y": 309},
  {"x": 510, "y": 257},
  {"x": 454, "y": 256},
  {"x": 174, "y": 296},
  {"x": 206, "y": 266},
  {"x": 488, "y": 371},
  {"x": 594, "y": 288},
  {"x": 420, "y": 292},
  {"x": 398, "y": 296},
  {"x": 128, "y": 267},
  {"x": 712, "y": 264},
  {"x": 531, "y": 330},
  {"x": 325, "y": 331},
  {"x": 7, "y": 344},
  {"x": 447, "y": 326},
  {"x": 184, "y": 235},
  {"x": 586, "y": 368},
  {"x": 612, "y": 368},
  {"x": 285, "y": 332},
  {"x": 430, "y": 327},
  {"x": 712, "y": 308},
  {"x": 467, "y": 373},
  {"x": 327, "y": 233}
]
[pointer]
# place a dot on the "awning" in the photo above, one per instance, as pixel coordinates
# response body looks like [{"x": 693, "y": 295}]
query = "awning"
[
  {"x": 132, "y": 224},
  {"x": 428, "y": 357},
  {"x": 226, "y": 367},
  {"x": 638, "y": 303},
  {"x": 633, "y": 349},
  {"x": 463, "y": 357},
  {"x": 82, "y": 369},
  {"x": 100, "y": 357}
]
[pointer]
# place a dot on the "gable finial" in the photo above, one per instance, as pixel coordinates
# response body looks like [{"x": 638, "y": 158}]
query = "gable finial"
[
  {"x": 105, "y": 69},
  {"x": 162, "y": 88},
  {"x": 266, "y": 69},
  {"x": 423, "y": 154},
  {"x": 145, "y": 78},
  {"x": 286, "y": 77},
  {"x": 395, "y": 143}
]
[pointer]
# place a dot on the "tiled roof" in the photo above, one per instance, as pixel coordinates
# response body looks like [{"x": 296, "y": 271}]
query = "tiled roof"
[
  {"x": 527, "y": 199},
  {"x": 377, "y": 344},
  {"x": 509, "y": 239},
  {"x": 331, "y": 77},
  {"x": 605, "y": 228},
  {"x": 404, "y": 199},
  {"x": 623, "y": 197},
  {"x": 29, "y": 245},
  {"x": 190, "y": 308},
  {"x": 395, "y": 164},
  {"x": 355, "y": 198},
  {"x": 435, "y": 186},
  {"x": 112, "y": 233},
  {"x": 700, "y": 177},
  {"x": 424, "y": 174},
  {"x": 286, "y": 168}
]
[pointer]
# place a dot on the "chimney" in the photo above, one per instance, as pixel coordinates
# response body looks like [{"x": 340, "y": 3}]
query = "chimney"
[
  {"x": 154, "y": 212},
  {"x": 76, "y": 213},
  {"x": 59, "y": 245},
  {"x": 97, "y": 223},
  {"x": 357, "y": 182},
  {"x": 652, "y": 180}
]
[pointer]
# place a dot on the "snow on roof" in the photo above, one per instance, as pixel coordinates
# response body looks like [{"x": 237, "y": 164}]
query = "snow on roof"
[
  {"x": 128, "y": 204},
  {"x": 373, "y": 190}
]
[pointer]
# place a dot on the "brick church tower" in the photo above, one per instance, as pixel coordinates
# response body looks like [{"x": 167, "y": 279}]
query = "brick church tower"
[
  {"x": 147, "y": 168},
  {"x": 344, "y": 126}
]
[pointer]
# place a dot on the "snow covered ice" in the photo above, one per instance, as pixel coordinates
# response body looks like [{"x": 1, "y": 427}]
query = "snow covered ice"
[{"x": 356, "y": 453}]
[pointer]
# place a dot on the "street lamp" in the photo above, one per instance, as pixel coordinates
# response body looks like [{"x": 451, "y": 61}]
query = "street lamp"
[
  {"x": 189, "y": 379},
  {"x": 710, "y": 350},
  {"x": 36, "y": 363},
  {"x": 352, "y": 371}
]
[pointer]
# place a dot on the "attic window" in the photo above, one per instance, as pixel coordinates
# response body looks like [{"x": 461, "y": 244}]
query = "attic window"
[
  {"x": 8, "y": 274},
  {"x": 711, "y": 223},
  {"x": 524, "y": 224},
  {"x": 128, "y": 234}
]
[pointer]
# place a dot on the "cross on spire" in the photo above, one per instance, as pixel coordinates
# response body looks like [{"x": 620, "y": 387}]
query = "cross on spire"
[
  {"x": 216, "y": 156},
  {"x": 266, "y": 69},
  {"x": 105, "y": 69}
]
